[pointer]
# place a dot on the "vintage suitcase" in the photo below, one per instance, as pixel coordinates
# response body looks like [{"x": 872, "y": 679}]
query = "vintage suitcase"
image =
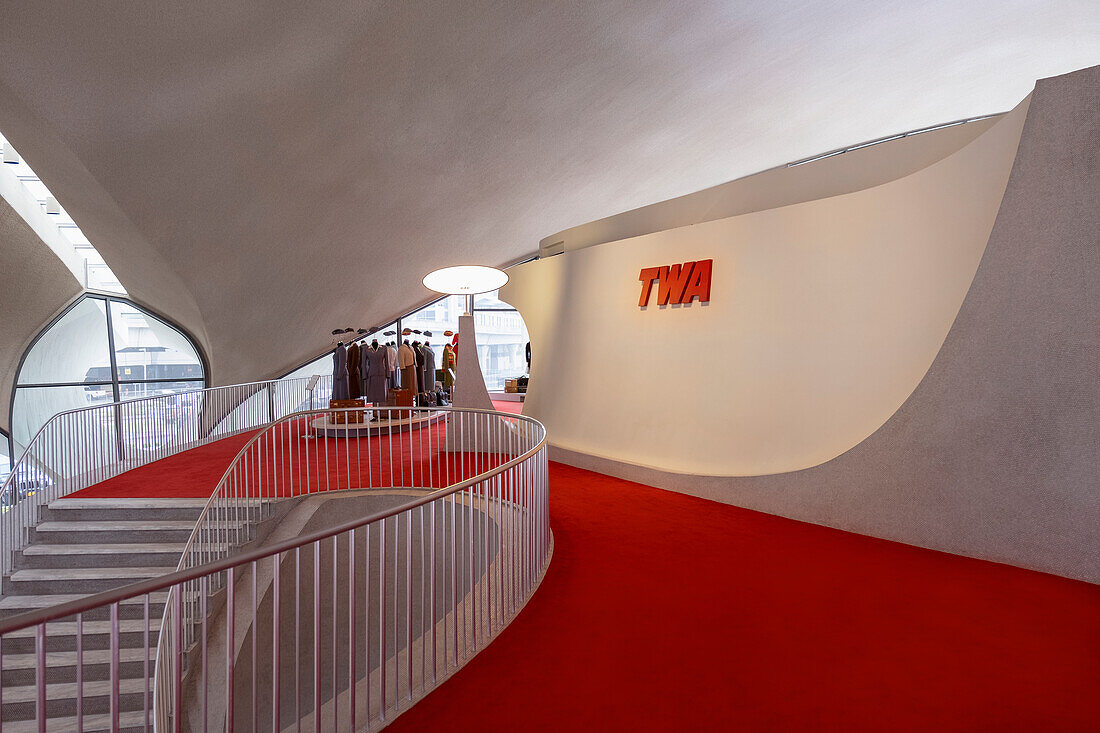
[
  {"x": 341, "y": 418},
  {"x": 401, "y": 398}
]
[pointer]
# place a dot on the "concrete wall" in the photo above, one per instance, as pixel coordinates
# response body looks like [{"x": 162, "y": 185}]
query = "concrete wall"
[
  {"x": 262, "y": 173},
  {"x": 34, "y": 286},
  {"x": 991, "y": 450}
]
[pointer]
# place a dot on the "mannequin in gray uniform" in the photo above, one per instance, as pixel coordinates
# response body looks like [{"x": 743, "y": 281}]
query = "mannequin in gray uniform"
[
  {"x": 364, "y": 369},
  {"x": 340, "y": 388},
  {"x": 377, "y": 374},
  {"x": 429, "y": 367}
]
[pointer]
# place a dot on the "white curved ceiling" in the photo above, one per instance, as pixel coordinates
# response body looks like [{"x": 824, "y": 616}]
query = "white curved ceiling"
[{"x": 264, "y": 172}]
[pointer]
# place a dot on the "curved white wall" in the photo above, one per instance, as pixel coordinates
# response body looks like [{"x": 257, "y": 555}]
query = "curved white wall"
[{"x": 824, "y": 317}]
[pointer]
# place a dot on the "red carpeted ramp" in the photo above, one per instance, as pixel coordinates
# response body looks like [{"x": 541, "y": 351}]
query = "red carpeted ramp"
[{"x": 666, "y": 612}]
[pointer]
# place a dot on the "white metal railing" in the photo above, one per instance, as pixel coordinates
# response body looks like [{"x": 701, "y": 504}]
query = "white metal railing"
[
  {"x": 78, "y": 448},
  {"x": 487, "y": 474},
  {"x": 341, "y": 627}
]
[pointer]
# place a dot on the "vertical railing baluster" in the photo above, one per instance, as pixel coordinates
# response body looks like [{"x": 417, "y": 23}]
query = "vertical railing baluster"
[
  {"x": 317, "y": 636},
  {"x": 230, "y": 645},
  {"x": 276, "y": 637},
  {"x": 114, "y": 667},
  {"x": 40, "y": 677}
]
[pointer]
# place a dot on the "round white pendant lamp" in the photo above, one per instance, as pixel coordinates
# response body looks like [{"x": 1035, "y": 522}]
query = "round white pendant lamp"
[{"x": 465, "y": 280}]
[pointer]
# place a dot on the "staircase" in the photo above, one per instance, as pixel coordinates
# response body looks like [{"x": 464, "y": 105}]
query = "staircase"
[{"x": 81, "y": 547}]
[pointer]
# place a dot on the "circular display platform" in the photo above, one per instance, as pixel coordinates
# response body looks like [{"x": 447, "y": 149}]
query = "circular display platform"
[{"x": 324, "y": 428}]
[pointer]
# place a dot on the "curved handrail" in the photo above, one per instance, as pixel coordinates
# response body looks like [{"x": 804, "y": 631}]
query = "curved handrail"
[
  {"x": 83, "y": 446},
  {"x": 204, "y": 513},
  {"x": 181, "y": 575},
  {"x": 243, "y": 490},
  {"x": 484, "y": 544}
]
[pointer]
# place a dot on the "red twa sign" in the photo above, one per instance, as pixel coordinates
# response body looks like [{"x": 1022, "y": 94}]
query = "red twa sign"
[{"x": 677, "y": 283}]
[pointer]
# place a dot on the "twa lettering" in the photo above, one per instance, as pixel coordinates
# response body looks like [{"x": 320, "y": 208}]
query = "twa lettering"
[{"x": 677, "y": 283}]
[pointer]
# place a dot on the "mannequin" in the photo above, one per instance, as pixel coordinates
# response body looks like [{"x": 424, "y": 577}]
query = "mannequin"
[
  {"x": 364, "y": 369},
  {"x": 406, "y": 362},
  {"x": 355, "y": 384},
  {"x": 340, "y": 388},
  {"x": 450, "y": 364},
  {"x": 418, "y": 350},
  {"x": 391, "y": 364},
  {"x": 378, "y": 376},
  {"x": 429, "y": 367}
]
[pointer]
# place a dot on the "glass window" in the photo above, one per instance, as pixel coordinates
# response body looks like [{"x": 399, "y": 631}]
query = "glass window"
[
  {"x": 56, "y": 228},
  {"x": 147, "y": 348},
  {"x": 5, "y": 459},
  {"x": 34, "y": 406},
  {"x": 69, "y": 365},
  {"x": 501, "y": 341},
  {"x": 490, "y": 300},
  {"x": 438, "y": 318},
  {"x": 74, "y": 350},
  {"x": 380, "y": 334}
]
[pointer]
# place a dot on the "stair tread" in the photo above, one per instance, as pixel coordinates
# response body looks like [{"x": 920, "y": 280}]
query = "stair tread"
[
  {"x": 68, "y": 659},
  {"x": 67, "y": 690},
  {"x": 68, "y": 628},
  {"x": 56, "y": 599},
  {"x": 121, "y": 525},
  {"x": 127, "y": 503},
  {"x": 105, "y": 573},
  {"x": 105, "y": 549},
  {"x": 133, "y": 719}
]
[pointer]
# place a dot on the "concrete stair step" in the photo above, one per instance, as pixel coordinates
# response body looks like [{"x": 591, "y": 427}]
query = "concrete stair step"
[
  {"x": 80, "y": 580},
  {"x": 128, "y": 608},
  {"x": 20, "y": 702},
  {"x": 61, "y": 636},
  {"x": 67, "y": 690},
  {"x": 21, "y": 669},
  {"x": 164, "y": 555},
  {"x": 113, "y": 549},
  {"x": 116, "y": 525},
  {"x": 83, "y": 504},
  {"x": 128, "y": 721},
  {"x": 120, "y": 531},
  {"x": 32, "y": 602},
  {"x": 121, "y": 509}
]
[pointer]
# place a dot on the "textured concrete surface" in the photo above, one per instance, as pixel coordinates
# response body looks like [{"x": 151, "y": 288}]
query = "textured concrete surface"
[
  {"x": 994, "y": 455},
  {"x": 255, "y": 168},
  {"x": 34, "y": 286}
]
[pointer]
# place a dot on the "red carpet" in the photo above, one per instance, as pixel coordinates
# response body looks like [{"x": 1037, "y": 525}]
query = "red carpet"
[
  {"x": 666, "y": 612},
  {"x": 516, "y": 408},
  {"x": 412, "y": 459}
]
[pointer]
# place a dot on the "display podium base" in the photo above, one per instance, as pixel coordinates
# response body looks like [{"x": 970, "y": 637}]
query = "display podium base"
[{"x": 324, "y": 428}]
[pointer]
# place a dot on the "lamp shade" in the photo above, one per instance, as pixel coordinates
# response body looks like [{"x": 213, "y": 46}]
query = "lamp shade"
[{"x": 465, "y": 280}]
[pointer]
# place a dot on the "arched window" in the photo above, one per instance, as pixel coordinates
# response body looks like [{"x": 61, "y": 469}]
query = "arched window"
[
  {"x": 5, "y": 458},
  {"x": 101, "y": 349}
]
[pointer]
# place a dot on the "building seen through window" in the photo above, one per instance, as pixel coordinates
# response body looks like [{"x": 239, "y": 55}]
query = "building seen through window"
[
  {"x": 101, "y": 350},
  {"x": 501, "y": 337}
]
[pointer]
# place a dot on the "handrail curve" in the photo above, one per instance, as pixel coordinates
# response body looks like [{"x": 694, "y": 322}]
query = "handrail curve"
[
  {"x": 426, "y": 584},
  {"x": 80, "y": 447},
  {"x": 180, "y": 575}
]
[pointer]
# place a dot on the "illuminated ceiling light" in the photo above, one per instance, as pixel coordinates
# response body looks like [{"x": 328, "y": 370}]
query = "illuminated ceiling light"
[
  {"x": 10, "y": 156},
  {"x": 52, "y": 207},
  {"x": 465, "y": 280}
]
